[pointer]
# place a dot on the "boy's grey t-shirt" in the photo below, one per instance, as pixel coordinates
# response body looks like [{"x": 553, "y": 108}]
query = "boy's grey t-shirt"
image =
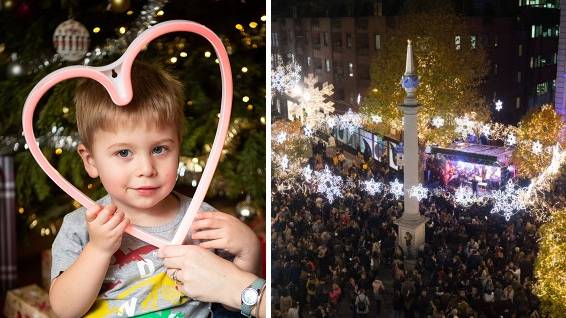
[{"x": 136, "y": 282}]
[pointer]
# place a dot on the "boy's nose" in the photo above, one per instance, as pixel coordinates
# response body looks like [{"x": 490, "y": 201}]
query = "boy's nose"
[{"x": 146, "y": 167}]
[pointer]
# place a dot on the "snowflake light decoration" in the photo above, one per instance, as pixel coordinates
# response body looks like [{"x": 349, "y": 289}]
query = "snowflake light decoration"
[
  {"x": 372, "y": 187},
  {"x": 438, "y": 121},
  {"x": 464, "y": 196},
  {"x": 511, "y": 139},
  {"x": 419, "y": 192},
  {"x": 328, "y": 184},
  {"x": 396, "y": 188},
  {"x": 498, "y": 105},
  {"x": 331, "y": 121},
  {"x": 284, "y": 162},
  {"x": 285, "y": 77},
  {"x": 464, "y": 126},
  {"x": 486, "y": 130},
  {"x": 281, "y": 138},
  {"x": 314, "y": 105},
  {"x": 350, "y": 121},
  {"x": 307, "y": 173},
  {"x": 376, "y": 119},
  {"x": 537, "y": 147},
  {"x": 508, "y": 201}
]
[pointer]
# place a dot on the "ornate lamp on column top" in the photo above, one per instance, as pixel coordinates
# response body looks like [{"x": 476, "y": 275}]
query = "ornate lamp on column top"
[{"x": 410, "y": 80}]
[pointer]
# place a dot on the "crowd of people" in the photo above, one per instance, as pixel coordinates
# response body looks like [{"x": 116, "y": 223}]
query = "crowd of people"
[{"x": 342, "y": 258}]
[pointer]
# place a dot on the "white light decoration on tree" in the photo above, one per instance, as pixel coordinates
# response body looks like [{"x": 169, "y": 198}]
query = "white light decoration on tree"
[
  {"x": 465, "y": 126},
  {"x": 464, "y": 196},
  {"x": 328, "y": 184},
  {"x": 437, "y": 121},
  {"x": 284, "y": 162},
  {"x": 486, "y": 130},
  {"x": 396, "y": 188},
  {"x": 508, "y": 201},
  {"x": 350, "y": 121},
  {"x": 308, "y": 131},
  {"x": 376, "y": 119},
  {"x": 372, "y": 187},
  {"x": 498, "y": 105},
  {"x": 511, "y": 139},
  {"x": 331, "y": 121},
  {"x": 537, "y": 147},
  {"x": 419, "y": 192},
  {"x": 281, "y": 138}
]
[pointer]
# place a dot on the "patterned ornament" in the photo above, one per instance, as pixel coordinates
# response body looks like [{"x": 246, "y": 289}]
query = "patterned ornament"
[{"x": 71, "y": 40}]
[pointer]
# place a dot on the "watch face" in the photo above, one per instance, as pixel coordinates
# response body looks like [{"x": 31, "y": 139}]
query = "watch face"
[{"x": 249, "y": 296}]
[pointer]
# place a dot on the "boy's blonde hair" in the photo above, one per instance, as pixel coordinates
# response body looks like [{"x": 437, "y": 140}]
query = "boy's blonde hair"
[{"x": 157, "y": 101}]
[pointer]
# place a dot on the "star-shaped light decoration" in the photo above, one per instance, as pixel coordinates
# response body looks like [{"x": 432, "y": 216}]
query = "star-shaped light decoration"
[
  {"x": 396, "y": 188},
  {"x": 328, "y": 184},
  {"x": 437, "y": 121},
  {"x": 464, "y": 196},
  {"x": 419, "y": 192},
  {"x": 537, "y": 147},
  {"x": 376, "y": 119},
  {"x": 281, "y": 138},
  {"x": 498, "y": 105},
  {"x": 508, "y": 201},
  {"x": 511, "y": 139},
  {"x": 331, "y": 121},
  {"x": 285, "y": 77},
  {"x": 372, "y": 187}
]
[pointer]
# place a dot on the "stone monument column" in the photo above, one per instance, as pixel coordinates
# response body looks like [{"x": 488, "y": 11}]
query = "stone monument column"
[{"x": 411, "y": 225}]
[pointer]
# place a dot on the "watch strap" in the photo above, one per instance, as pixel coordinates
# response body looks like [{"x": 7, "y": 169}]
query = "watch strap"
[{"x": 246, "y": 310}]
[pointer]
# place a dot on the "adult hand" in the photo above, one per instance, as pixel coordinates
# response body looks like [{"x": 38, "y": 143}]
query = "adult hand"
[
  {"x": 204, "y": 276},
  {"x": 219, "y": 230}
]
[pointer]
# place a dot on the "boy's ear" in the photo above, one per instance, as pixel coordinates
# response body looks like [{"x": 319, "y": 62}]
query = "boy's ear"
[{"x": 88, "y": 161}]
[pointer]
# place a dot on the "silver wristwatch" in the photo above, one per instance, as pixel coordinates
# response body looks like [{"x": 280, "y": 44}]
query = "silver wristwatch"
[{"x": 250, "y": 297}]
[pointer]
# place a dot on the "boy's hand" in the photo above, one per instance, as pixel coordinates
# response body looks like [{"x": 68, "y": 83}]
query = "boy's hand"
[
  {"x": 105, "y": 228},
  {"x": 223, "y": 231}
]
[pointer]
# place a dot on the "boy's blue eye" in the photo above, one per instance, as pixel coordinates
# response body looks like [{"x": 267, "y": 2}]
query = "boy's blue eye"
[
  {"x": 123, "y": 153},
  {"x": 159, "y": 150}
]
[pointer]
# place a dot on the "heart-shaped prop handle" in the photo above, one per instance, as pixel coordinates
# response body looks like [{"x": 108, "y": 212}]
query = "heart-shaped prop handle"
[{"x": 116, "y": 80}]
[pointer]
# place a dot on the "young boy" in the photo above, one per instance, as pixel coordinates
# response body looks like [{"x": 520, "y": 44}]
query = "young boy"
[{"x": 97, "y": 270}]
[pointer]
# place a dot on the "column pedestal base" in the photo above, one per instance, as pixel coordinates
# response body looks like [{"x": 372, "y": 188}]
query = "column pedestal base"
[{"x": 411, "y": 234}]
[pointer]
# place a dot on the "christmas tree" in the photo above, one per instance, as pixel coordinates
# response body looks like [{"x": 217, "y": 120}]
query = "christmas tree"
[{"x": 31, "y": 36}]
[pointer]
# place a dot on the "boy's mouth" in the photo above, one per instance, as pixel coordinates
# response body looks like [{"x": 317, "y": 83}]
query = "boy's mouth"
[{"x": 146, "y": 190}]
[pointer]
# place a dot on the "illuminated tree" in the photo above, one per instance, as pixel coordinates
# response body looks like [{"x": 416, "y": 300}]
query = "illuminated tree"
[
  {"x": 451, "y": 64},
  {"x": 540, "y": 130}
]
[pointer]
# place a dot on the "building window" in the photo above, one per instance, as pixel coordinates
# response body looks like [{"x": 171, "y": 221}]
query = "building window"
[
  {"x": 473, "y": 41},
  {"x": 457, "y": 42},
  {"x": 327, "y": 65},
  {"x": 518, "y": 102},
  {"x": 518, "y": 77},
  {"x": 351, "y": 69},
  {"x": 520, "y": 50},
  {"x": 555, "y": 59},
  {"x": 348, "y": 40},
  {"x": 378, "y": 41},
  {"x": 275, "y": 39},
  {"x": 325, "y": 38},
  {"x": 542, "y": 88},
  {"x": 495, "y": 41},
  {"x": 308, "y": 61},
  {"x": 495, "y": 69}
]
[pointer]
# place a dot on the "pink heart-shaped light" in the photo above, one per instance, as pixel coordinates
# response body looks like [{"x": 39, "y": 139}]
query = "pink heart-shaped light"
[{"x": 120, "y": 90}]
